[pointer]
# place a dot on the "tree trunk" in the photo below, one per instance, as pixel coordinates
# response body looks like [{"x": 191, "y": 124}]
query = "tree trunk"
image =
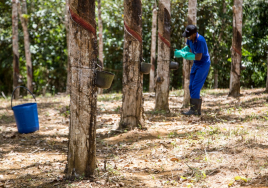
[
  {"x": 132, "y": 106},
  {"x": 187, "y": 65},
  {"x": 186, "y": 69},
  {"x": 24, "y": 23},
  {"x": 15, "y": 43},
  {"x": 215, "y": 59},
  {"x": 153, "y": 48},
  {"x": 83, "y": 103},
  {"x": 224, "y": 20},
  {"x": 68, "y": 82},
  {"x": 163, "y": 60},
  {"x": 236, "y": 49},
  {"x": 267, "y": 72},
  {"x": 216, "y": 71},
  {"x": 100, "y": 91}
]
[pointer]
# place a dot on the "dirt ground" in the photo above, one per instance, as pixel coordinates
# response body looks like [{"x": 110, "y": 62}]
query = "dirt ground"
[{"x": 227, "y": 146}]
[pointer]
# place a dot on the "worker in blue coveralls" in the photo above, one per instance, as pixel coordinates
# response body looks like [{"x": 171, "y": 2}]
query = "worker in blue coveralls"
[{"x": 196, "y": 49}]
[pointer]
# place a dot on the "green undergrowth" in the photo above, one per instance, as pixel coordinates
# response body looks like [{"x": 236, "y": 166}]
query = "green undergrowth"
[{"x": 109, "y": 97}]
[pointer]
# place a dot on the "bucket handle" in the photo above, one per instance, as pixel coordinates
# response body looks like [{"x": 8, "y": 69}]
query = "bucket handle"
[{"x": 14, "y": 91}]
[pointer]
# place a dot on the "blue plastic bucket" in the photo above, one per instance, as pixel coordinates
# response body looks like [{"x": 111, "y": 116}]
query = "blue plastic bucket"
[{"x": 26, "y": 115}]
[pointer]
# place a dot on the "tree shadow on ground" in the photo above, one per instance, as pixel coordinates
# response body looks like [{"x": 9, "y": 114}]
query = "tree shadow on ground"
[
  {"x": 2, "y": 108},
  {"x": 28, "y": 180},
  {"x": 259, "y": 181},
  {"x": 219, "y": 94},
  {"x": 107, "y": 112},
  {"x": 7, "y": 119},
  {"x": 131, "y": 137},
  {"x": 244, "y": 104},
  {"x": 34, "y": 141}
]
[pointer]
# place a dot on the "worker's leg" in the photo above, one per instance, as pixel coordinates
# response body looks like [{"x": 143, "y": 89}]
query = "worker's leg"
[
  {"x": 192, "y": 76},
  {"x": 199, "y": 80},
  {"x": 194, "y": 102}
]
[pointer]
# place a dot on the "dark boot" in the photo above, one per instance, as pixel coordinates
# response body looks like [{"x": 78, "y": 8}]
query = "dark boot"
[
  {"x": 195, "y": 107},
  {"x": 200, "y": 104}
]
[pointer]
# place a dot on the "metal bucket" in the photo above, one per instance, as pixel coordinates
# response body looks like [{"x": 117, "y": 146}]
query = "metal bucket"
[
  {"x": 104, "y": 79},
  {"x": 145, "y": 68},
  {"x": 173, "y": 65}
]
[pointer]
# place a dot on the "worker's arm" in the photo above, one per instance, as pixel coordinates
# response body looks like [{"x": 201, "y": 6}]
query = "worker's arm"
[
  {"x": 192, "y": 56},
  {"x": 198, "y": 57},
  {"x": 187, "y": 55}
]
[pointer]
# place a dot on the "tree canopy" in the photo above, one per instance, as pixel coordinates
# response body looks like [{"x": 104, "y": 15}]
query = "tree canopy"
[{"x": 49, "y": 48}]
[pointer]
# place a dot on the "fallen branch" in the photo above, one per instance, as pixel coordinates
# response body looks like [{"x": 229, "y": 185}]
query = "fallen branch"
[{"x": 4, "y": 95}]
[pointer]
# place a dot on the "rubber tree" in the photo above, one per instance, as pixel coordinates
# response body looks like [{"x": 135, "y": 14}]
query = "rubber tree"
[
  {"x": 67, "y": 41},
  {"x": 163, "y": 59},
  {"x": 153, "y": 49},
  {"x": 216, "y": 71},
  {"x": 15, "y": 46},
  {"x": 100, "y": 26},
  {"x": 83, "y": 98},
  {"x": 132, "y": 107},
  {"x": 236, "y": 49},
  {"x": 186, "y": 68},
  {"x": 24, "y": 22},
  {"x": 267, "y": 69}
]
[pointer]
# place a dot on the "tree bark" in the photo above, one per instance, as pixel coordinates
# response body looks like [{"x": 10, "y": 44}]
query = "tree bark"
[
  {"x": 186, "y": 69},
  {"x": 215, "y": 59},
  {"x": 100, "y": 91},
  {"x": 236, "y": 49},
  {"x": 153, "y": 49},
  {"x": 83, "y": 103},
  {"x": 187, "y": 65},
  {"x": 163, "y": 60},
  {"x": 132, "y": 106},
  {"x": 15, "y": 46},
  {"x": 267, "y": 72},
  {"x": 24, "y": 22},
  {"x": 216, "y": 71},
  {"x": 68, "y": 82}
]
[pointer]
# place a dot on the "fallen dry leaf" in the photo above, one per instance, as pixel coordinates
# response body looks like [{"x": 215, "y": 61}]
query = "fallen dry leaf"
[{"x": 174, "y": 159}]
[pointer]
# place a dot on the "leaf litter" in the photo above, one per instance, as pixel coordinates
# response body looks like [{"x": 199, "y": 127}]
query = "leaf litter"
[{"x": 225, "y": 147}]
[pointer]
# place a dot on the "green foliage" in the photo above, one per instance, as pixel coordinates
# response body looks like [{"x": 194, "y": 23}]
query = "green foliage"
[
  {"x": 113, "y": 35},
  {"x": 255, "y": 43},
  {"x": 49, "y": 47},
  {"x": 26, "y": 16},
  {"x": 5, "y": 46}
]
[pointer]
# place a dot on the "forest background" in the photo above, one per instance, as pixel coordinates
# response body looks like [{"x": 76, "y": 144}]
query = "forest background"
[{"x": 49, "y": 44}]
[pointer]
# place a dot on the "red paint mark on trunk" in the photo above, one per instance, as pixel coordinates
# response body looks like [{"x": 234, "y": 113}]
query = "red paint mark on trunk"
[
  {"x": 133, "y": 33},
  {"x": 87, "y": 26},
  {"x": 164, "y": 40},
  {"x": 237, "y": 51}
]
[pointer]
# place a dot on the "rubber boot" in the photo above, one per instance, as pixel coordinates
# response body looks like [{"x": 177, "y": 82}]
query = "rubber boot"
[
  {"x": 195, "y": 107},
  {"x": 199, "y": 107}
]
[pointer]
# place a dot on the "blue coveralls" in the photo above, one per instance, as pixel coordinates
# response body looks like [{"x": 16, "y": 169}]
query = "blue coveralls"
[{"x": 200, "y": 68}]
